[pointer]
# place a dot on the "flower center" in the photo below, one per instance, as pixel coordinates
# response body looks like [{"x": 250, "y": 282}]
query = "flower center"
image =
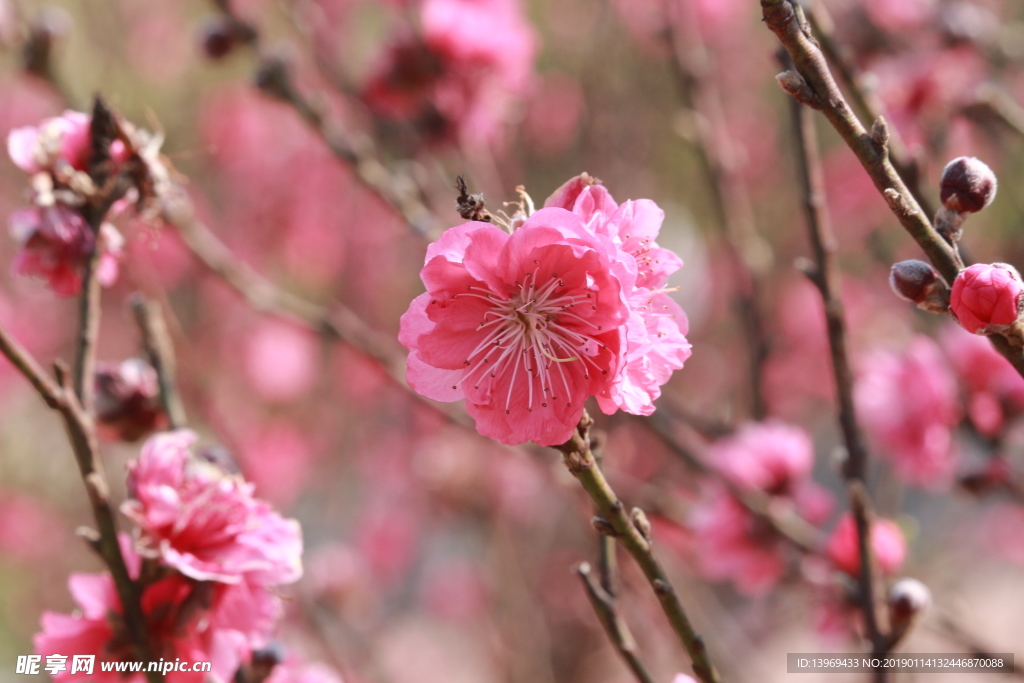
[{"x": 534, "y": 337}]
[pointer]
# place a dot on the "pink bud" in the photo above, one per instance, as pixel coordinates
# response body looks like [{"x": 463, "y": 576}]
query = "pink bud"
[
  {"x": 968, "y": 185},
  {"x": 986, "y": 296},
  {"x": 887, "y": 541}
]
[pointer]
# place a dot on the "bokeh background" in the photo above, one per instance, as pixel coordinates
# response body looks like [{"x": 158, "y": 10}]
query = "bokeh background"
[{"x": 431, "y": 553}]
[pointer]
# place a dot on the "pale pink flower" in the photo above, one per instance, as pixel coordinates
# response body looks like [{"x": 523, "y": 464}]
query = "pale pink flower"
[
  {"x": 993, "y": 387},
  {"x": 128, "y": 399},
  {"x": 732, "y": 544},
  {"x": 987, "y": 296},
  {"x": 908, "y": 404},
  {"x": 459, "y": 78},
  {"x": 66, "y": 138},
  {"x": 192, "y": 621},
  {"x": 656, "y": 344},
  {"x": 524, "y": 327},
  {"x": 683, "y": 678},
  {"x": 205, "y": 523},
  {"x": 280, "y": 360},
  {"x": 769, "y": 456},
  {"x": 887, "y": 541},
  {"x": 54, "y": 243}
]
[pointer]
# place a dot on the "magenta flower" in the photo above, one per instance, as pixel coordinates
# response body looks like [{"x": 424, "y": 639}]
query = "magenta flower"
[
  {"x": 524, "y": 327},
  {"x": 909, "y": 406},
  {"x": 192, "y": 621},
  {"x": 54, "y": 243},
  {"x": 457, "y": 78},
  {"x": 205, "y": 523},
  {"x": 886, "y": 540},
  {"x": 986, "y": 296},
  {"x": 656, "y": 344}
]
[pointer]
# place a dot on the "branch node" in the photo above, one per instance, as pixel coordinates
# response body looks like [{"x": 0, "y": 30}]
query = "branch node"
[
  {"x": 604, "y": 527},
  {"x": 795, "y": 85},
  {"x": 642, "y": 524},
  {"x": 880, "y": 136}
]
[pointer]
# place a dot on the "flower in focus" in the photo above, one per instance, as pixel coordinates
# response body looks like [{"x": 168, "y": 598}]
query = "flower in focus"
[
  {"x": 987, "y": 296},
  {"x": 192, "y": 621},
  {"x": 656, "y": 342},
  {"x": 458, "y": 78},
  {"x": 917, "y": 434},
  {"x": 54, "y": 243},
  {"x": 206, "y": 523},
  {"x": 128, "y": 398},
  {"x": 886, "y": 540},
  {"x": 524, "y": 327}
]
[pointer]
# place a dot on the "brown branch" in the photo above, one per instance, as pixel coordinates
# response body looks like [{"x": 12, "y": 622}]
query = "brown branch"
[
  {"x": 160, "y": 353},
  {"x": 59, "y": 396},
  {"x": 866, "y": 100},
  {"x": 632, "y": 531},
  {"x": 812, "y": 84},
  {"x": 616, "y": 628},
  {"x": 824, "y": 274},
  {"x": 717, "y": 154}
]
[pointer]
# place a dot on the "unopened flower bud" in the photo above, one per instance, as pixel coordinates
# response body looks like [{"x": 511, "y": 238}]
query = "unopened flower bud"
[
  {"x": 987, "y": 297},
  {"x": 908, "y": 600},
  {"x": 968, "y": 185},
  {"x": 128, "y": 399},
  {"x": 918, "y": 282},
  {"x": 221, "y": 35}
]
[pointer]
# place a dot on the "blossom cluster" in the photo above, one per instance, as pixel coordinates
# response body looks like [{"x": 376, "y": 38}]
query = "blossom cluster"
[
  {"x": 208, "y": 557},
  {"x": 526, "y": 326}
]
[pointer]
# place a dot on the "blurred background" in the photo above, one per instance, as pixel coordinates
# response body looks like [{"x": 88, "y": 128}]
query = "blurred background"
[{"x": 432, "y": 554}]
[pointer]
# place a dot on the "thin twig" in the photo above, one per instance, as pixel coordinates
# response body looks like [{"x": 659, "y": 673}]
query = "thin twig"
[
  {"x": 59, "y": 396},
  {"x": 716, "y": 152},
  {"x": 866, "y": 100},
  {"x": 824, "y": 274},
  {"x": 813, "y": 85},
  {"x": 629, "y": 530},
  {"x": 160, "y": 353},
  {"x": 616, "y": 628}
]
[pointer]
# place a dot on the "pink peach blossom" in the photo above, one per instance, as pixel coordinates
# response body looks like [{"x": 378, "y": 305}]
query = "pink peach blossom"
[
  {"x": 987, "y": 295},
  {"x": 993, "y": 387},
  {"x": 524, "y": 327},
  {"x": 230, "y": 621},
  {"x": 65, "y": 138},
  {"x": 771, "y": 456},
  {"x": 205, "y": 523},
  {"x": 54, "y": 243},
  {"x": 294, "y": 670},
  {"x": 886, "y": 539},
  {"x": 280, "y": 360},
  {"x": 908, "y": 404}
]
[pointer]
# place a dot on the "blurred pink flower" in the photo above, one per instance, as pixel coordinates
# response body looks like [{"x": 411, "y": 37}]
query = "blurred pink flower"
[
  {"x": 525, "y": 327},
  {"x": 731, "y": 544},
  {"x": 187, "y": 620},
  {"x": 54, "y": 243},
  {"x": 986, "y": 296},
  {"x": 459, "y": 78},
  {"x": 900, "y": 16},
  {"x": 770, "y": 456},
  {"x": 683, "y": 678},
  {"x": 30, "y": 530},
  {"x": 205, "y": 523},
  {"x": 65, "y": 138},
  {"x": 886, "y": 539},
  {"x": 280, "y": 360},
  {"x": 454, "y": 589},
  {"x": 908, "y": 404},
  {"x": 993, "y": 386},
  {"x": 278, "y": 459}
]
